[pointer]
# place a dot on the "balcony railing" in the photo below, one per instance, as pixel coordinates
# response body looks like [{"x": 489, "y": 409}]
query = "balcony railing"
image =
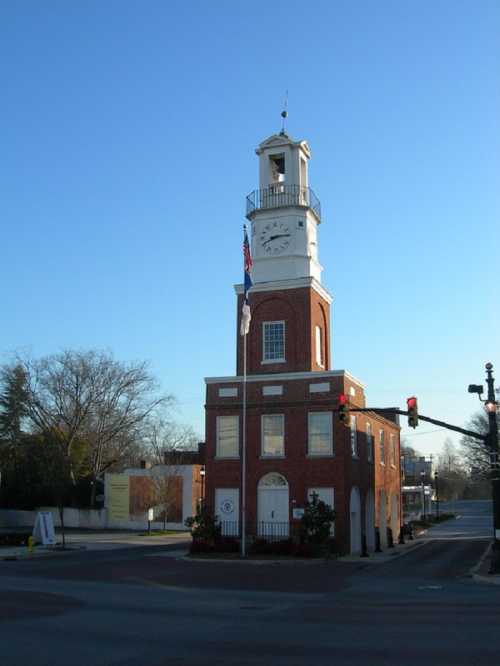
[{"x": 279, "y": 195}]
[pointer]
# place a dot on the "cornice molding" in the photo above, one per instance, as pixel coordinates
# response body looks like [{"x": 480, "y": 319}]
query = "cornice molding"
[
  {"x": 280, "y": 285},
  {"x": 277, "y": 377}
]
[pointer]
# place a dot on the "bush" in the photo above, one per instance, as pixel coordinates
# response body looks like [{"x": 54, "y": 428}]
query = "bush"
[
  {"x": 316, "y": 522},
  {"x": 14, "y": 539},
  {"x": 263, "y": 547},
  {"x": 222, "y": 545},
  {"x": 204, "y": 526}
]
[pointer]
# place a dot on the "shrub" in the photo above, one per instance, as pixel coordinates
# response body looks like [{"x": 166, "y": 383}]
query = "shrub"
[
  {"x": 14, "y": 538},
  {"x": 316, "y": 522},
  {"x": 263, "y": 547},
  {"x": 204, "y": 525}
]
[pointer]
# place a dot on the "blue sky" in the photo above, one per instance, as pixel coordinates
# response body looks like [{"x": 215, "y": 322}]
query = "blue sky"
[{"x": 128, "y": 136}]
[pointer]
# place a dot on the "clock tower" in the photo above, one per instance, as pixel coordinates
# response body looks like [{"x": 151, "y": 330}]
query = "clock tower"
[
  {"x": 290, "y": 327},
  {"x": 284, "y": 213},
  {"x": 274, "y": 439}
]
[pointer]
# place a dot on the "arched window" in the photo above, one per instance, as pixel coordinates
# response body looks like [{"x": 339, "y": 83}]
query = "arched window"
[{"x": 273, "y": 479}]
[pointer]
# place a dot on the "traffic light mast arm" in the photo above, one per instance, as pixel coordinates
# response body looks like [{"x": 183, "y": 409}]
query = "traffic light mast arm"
[{"x": 443, "y": 424}]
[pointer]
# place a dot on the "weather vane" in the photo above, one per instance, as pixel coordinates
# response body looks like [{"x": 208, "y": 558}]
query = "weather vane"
[{"x": 284, "y": 114}]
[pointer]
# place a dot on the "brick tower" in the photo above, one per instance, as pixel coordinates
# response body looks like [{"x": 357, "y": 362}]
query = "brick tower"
[{"x": 295, "y": 445}]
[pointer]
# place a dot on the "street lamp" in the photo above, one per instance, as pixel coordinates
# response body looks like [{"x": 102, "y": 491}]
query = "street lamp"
[
  {"x": 491, "y": 439},
  {"x": 202, "y": 478},
  {"x": 401, "y": 539},
  {"x": 436, "y": 486},
  {"x": 422, "y": 478}
]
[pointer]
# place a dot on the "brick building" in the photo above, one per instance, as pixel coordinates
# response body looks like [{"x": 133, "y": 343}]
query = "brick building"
[{"x": 295, "y": 443}]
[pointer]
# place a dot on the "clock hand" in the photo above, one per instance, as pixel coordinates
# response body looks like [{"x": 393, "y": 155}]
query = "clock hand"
[{"x": 274, "y": 237}]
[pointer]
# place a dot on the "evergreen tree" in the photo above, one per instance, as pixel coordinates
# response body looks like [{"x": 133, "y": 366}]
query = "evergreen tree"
[{"x": 13, "y": 403}]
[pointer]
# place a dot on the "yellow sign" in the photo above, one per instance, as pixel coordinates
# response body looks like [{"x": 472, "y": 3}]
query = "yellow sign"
[{"x": 118, "y": 498}]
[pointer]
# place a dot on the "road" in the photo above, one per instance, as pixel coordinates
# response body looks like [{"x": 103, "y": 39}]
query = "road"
[{"x": 143, "y": 606}]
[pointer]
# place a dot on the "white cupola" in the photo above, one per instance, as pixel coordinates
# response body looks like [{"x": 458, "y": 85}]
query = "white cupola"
[{"x": 284, "y": 213}]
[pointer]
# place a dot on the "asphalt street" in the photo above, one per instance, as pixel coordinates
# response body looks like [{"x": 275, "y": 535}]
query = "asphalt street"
[{"x": 145, "y": 606}]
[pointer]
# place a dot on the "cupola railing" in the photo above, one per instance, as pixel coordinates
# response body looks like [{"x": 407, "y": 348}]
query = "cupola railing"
[{"x": 279, "y": 195}]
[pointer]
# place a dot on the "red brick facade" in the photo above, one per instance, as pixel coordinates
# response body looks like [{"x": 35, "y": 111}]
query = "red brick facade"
[{"x": 302, "y": 310}]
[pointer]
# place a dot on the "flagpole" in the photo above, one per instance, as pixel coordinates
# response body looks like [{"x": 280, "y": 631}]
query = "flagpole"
[
  {"x": 244, "y": 330},
  {"x": 244, "y": 452}
]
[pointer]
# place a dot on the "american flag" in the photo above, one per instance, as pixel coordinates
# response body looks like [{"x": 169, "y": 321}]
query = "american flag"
[
  {"x": 247, "y": 257},
  {"x": 247, "y": 265}
]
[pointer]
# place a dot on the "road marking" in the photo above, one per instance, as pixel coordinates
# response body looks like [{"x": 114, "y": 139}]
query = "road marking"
[{"x": 430, "y": 587}]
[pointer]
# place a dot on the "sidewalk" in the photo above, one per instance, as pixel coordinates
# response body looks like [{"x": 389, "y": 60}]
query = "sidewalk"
[
  {"x": 388, "y": 554},
  {"x": 92, "y": 541}
]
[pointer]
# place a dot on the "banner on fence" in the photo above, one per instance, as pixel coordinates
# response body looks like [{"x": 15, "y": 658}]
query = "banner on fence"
[
  {"x": 43, "y": 532},
  {"x": 118, "y": 500}
]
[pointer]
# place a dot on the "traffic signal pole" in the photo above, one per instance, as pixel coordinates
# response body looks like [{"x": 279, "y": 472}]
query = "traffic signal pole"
[
  {"x": 392, "y": 410},
  {"x": 491, "y": 409}
]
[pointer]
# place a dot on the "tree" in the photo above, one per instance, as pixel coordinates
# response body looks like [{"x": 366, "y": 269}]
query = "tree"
[
  {"x": 167, "y": 441},
  {"x": 407, "y": 451},
  {"x": 90, "y": 396},
  {"x": 476, "y": 452},
  {"x": 13, "y": 403},
  {"x": 60, "y": 471}
]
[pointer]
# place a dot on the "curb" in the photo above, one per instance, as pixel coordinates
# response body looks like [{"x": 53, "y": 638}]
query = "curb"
[
  {"x": 24, "y": 555},
  {"x": 491, "y": 579}
]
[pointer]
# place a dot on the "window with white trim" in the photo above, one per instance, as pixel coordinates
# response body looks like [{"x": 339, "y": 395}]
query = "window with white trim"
[
  {"x": 382, "y": 447},
  {"x": 273, "y": 341},
  {"x": 228, "y": 441},
  {"x": 369, "y": 442},
  {"x": 320, "y": 435},
  {"x": 392, "y": 449},
  {"x": 354, "y": 437},
  {"x": 319, "y": 345},
  {"x": 273, "y": 435}
]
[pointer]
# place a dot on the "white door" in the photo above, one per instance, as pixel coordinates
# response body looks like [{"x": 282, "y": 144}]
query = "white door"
[
  {"x": 370, "y": 520},
  {"x": 227, "y": 509},
  {"x": 395, "y": 517},
  {"x": 273, "y": 507},
  {"x": 383, "y": 520},
  {"x": 355, "y": 514}
]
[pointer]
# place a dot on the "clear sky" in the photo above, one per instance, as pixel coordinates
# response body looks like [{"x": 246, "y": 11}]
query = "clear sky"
[{"x": 127, "y": 149}]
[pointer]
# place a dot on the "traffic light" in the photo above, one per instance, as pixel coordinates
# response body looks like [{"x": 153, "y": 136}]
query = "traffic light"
[
  {"x": 412, "y": 412},
  {"x": 343, "y": 408}
]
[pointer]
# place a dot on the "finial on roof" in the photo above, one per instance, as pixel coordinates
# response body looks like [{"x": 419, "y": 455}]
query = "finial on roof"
[{"x": 284, "y": 115}]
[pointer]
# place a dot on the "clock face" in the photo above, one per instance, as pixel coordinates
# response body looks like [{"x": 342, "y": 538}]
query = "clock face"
[{"x": 275, "y": 237}]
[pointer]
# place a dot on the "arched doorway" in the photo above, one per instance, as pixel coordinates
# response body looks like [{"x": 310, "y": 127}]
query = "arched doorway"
[
  {"x": 370, "y": 520},
  {"x": 273, "y": 512},
  {"x": 383, "y": 520},
  {"x": 395, "y": 517},
  {"x": 355, "y": 515}
]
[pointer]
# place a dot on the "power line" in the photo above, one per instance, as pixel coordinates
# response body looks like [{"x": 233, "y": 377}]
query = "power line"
[{"x": 427, "y": 432}]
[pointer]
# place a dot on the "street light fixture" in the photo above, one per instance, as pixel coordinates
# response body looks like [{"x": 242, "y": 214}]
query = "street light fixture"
[
  {"x": 422, "y": 478},
  {"x": 202, "y": 478},
  {"x": 490, "y": 405},
  {"x": 436, "y": 487}
]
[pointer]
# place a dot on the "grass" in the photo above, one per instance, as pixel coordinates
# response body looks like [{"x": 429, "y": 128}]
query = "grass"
[{"x": 160, "y": 533}]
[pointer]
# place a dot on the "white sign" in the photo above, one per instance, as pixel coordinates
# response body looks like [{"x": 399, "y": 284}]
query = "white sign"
[
  {"x": 43, "y": 532},
  {"x": 297, "y": 514},
  {"x": 151, "y": 514}
]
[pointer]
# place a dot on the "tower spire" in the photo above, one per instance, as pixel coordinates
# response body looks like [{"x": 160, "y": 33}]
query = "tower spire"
[{"x": 284, "y": 114}]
